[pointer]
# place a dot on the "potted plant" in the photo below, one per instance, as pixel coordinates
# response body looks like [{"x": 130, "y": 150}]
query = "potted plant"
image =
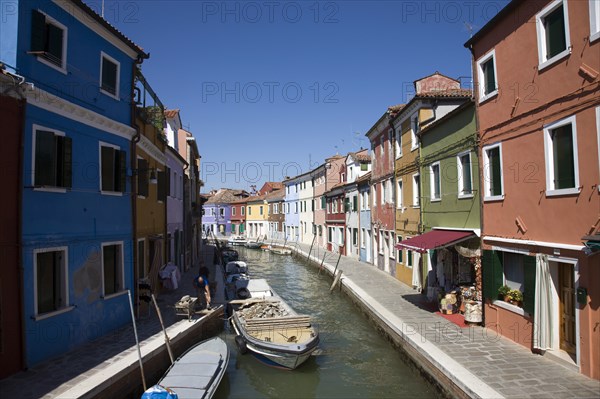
[
  {"x": 515, "y": 297},
  {"x": 503, "y": 292}
]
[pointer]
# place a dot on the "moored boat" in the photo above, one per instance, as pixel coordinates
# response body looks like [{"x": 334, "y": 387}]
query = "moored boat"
[
  {"x": 254, "y": 244},
  {"x": 269, "y": 328},
  {"x": 237, "y": 240},
  {"x": 195, "y": 374}
]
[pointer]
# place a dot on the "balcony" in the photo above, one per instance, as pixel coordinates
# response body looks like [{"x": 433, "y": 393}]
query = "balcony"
[{"x": 148, "y": 106}]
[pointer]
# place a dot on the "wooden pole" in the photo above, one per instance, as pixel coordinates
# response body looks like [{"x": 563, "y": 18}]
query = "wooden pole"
[
  {"x": 137, "y": 342},
  {"x": 336, "y": 280},
  {"x": 337, "y": 263},
  {"x": 322, "y": 261},
  {"x": 311, "y": 247},
  {"x": 167, "y": 341}
]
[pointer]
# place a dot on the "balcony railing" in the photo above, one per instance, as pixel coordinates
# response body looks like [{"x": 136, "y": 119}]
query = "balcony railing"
[{"x": 148, "y": 106}]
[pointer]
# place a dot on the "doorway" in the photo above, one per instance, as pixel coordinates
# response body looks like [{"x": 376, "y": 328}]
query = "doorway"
[{"x": 566, "y": 295}]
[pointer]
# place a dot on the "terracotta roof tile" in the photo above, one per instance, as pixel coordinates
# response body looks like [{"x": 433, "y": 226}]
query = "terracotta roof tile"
[
  {"x": 450, "y": 93},
  {"x": 171, "y": 113}
]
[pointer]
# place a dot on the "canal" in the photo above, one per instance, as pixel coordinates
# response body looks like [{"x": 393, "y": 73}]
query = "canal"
[{"x": 356, "y": 361}]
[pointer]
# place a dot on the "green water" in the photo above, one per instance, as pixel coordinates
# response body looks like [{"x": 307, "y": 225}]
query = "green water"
[{"x": 355, "y": 360}]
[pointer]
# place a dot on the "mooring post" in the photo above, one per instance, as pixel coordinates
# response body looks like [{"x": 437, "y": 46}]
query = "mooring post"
[
  {"x": 322, "y": 261},
  {"x": 311, "y": 247}
]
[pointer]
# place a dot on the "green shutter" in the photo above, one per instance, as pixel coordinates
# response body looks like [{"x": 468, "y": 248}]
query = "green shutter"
[
  {"x": 67, "y": 162},
  {"x": 493, "y": 276},
  {"x": 364, "y": 167},
  {"x": 496, "y": 172},
  {"x": 142, "y": 177},
  {"x": 529, "y": 284},
  {"x": 38, "y": 31},
  {"x": 323, "y": 202},
  {"x": 355, "y": 203},
  {"x": 564, "y": 161},
  {"x": 122, "y": 172},
  {"x": 490, "y": 77},
  {"x": 45, "y": 161},
  {"x": 55, "y": 44},
  {"x": 555, "y": 32}
]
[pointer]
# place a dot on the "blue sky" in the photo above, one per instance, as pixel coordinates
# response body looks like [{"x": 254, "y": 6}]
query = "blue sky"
[{"x": 271, "y": 88}]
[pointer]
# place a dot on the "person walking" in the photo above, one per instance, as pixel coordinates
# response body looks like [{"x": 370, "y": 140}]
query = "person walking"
[{"x": 203, "y": 287}]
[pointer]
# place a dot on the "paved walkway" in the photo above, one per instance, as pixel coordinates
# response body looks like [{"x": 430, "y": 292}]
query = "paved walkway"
[
  {"x": 482, "y": 363},
  {"x": 90, "y": 365}
]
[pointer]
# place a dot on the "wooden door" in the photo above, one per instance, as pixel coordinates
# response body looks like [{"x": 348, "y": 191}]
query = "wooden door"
[{"x": 568, "y": 341}]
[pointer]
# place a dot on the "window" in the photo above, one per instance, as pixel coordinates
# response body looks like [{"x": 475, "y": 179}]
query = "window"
[
  {"x": 355, "y": 203},
  {"x": 295, "y": 207},
  {"x": 367, "y": 204},
  {"x": 562, "y": 171},
  {"x": 243, "y": 209},
  {"x": 49, "y": 41},
  {"x": 320, "y": 230},
  {"x": 113, "y": 165},
  {"x": 465, "y": 177},
  {"x": 354, "y": 236},
  {"x": 391, "y": 245},
  {"x": 53, "y": 158},
  {"x": 260, "y": 210},
  {"x": 399, "y": 250},
  {"x": 486, "y": 73},
  {"x": 399, "y": 195},
  {"x": 323, "y": 202},
  {"x": 390, "y": 192},
  {"x": 492, "y": 172},
  {"x": 109, "y": 75},
  {"x": 142, "y": 177},
  {"x": 233, "y": 211},
  {"x": 340, "y": 236},
  {"x": 413, "y": 133},
  {"x": 514, "y": 274},
  {"x": 383, "y": 193},
  {"x": 416, "y": 190},
  {"x": 330, "y": 234},
  {"x": 112, "y": 268},
  {"x": 382, "y": 145},
  {"x": 594, "y": 20},
  {"x": 409, "y": 259},
  {"x": 374, "y": 194},
  {"x": 363, "y": 238},
  {"x": 51, "y": 293},
  {"x": 364, "y": 167},
  {"x": 381, "y": 242},
  {"x": 398, "y": 141},
  {"x": 162, "y": 178},
  {"x": 435, "y": 185},
  {"x": 553, "y": 38},
  {"x": 275, "y": 208},
  {"x": 222, "y": 212},
  {"x": 249, "y": 211}
]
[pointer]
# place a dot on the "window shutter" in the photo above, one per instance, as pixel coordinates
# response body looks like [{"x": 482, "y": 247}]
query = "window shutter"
[
  {"x": 355, "y": 203},
  {"x": 490, "y": 78},
  {"x": 496, "y": 183},
  {"x": 161, "y": 193},
  {"x": 364, "y": 167},
  {"x": 323, "y": 202},
  {"x": 564, "y": 161},
  {"x": 107, "y": 168},
  {"x": 122, "y": 170},
  {"x": 45, "y": 162},
  {"x": 493, "y": 277},
  {"x": 168, "y": 182},
  {"x": 529, "y": 284},
  {"x": 67, "y": 162},
  {"x": 55, "y": 44},
  {"x": 142, "y": 177},
  {"x": 38, "y": 31}
]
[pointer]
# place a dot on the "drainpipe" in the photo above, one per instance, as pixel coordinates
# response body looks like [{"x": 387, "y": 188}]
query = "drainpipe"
[{"x": 24, "y": 365}]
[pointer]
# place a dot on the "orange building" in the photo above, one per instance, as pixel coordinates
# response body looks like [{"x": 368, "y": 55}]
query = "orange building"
[{"x": 537, "y": 72}]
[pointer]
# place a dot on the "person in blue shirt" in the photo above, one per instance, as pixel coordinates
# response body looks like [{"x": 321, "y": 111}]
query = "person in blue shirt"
[{"x": 202, "y": 287}]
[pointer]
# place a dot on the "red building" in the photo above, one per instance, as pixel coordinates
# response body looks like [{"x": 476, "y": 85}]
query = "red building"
[
  {"x": 537, "y": 74},
  {"x": 238, "y": 216},
  {"x": 335, "y": 218}
]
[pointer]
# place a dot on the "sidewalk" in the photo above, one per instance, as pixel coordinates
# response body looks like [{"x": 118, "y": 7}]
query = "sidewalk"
[
  {"x": 476, "y": 360},
  {"x": 82, "y": 372}
]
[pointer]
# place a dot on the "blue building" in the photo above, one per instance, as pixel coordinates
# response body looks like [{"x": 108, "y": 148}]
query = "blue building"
[
  {"x": 77, "y": 220},
  {"x": 366, "y": 252},
  {"x": 217, "y": 211},
  {"x": 292, "y": 209}
]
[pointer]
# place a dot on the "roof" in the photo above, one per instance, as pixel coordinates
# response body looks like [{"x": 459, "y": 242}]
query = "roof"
[
  {"x": 492, "y": 22},
  {"x": 270, "y": 186},
  {"x": 111, "y": 28},
  {"x": 361, "y": 156},
  {"x": 434, "y": 239},
  {"x": 364, "y": 178},
  {"x": 171, "y": 113},
  {"x": 277, "y": 195},
  {"x": 256, "y": 198},
  {"x": 225, "y": 196},
  {"x": 395, "y": 109},
  {"x": 451, "y": 93}
]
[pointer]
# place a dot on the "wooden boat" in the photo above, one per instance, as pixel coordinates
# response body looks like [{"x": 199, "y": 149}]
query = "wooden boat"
[
  {"x": 269, "y": 328},
  {"x": 281, "y": 251},
  {"x": 237, "y": 240},
  {"x": 195, "y": 374},
  {"x": 229, "y": 255}
]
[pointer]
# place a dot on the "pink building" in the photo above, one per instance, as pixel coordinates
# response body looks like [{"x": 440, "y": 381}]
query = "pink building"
[{"x": 537, "y": 72}]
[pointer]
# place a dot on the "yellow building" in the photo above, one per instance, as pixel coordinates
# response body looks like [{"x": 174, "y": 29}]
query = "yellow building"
[
  {"x": 150, "y": 196},
  {"x": 257, "y": 217}
]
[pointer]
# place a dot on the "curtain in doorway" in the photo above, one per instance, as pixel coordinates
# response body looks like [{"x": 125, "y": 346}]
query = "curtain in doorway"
[
  {"x": 542, "y": 314},
  {"x": 416, "y": 271}
]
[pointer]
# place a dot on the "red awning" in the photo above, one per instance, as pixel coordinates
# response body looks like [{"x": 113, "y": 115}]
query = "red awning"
[{"x": 434, "y": 239}]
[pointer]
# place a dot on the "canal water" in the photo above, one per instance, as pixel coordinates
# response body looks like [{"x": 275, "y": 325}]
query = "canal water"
[{"x": 356, "y": 361}]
